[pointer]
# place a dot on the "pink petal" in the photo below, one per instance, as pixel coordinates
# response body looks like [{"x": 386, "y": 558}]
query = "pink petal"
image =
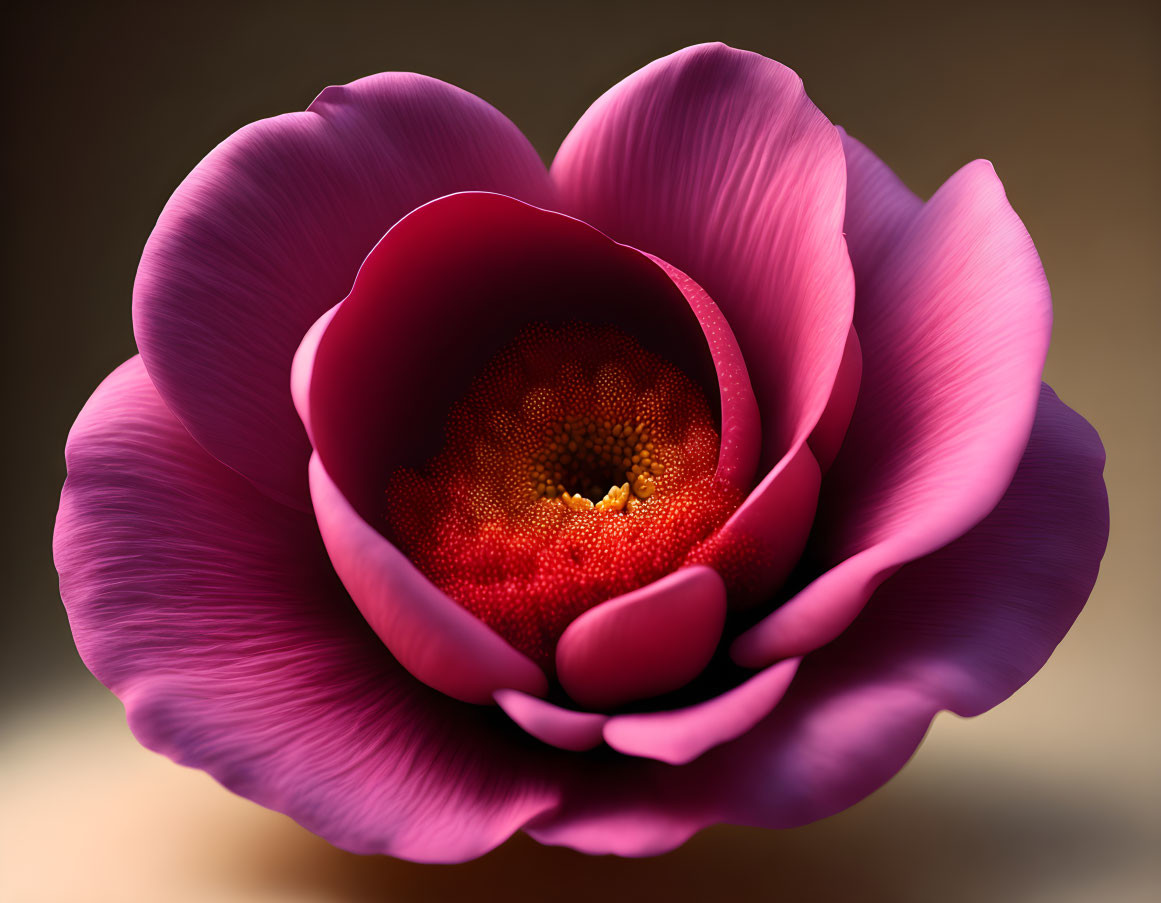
[
  {"x": 771, "y": 528},
  {"x": 211, "y": 611},
  {"x": 715, "y": 160},
  {"x": 954, "y": 326},
  {"x": 434, "y": 638},
  {"x": 644, "y": 643},
  {"x": 563, "y": 728},
  {"x": 451, "y": 283},
  {"x": 681, "y": 735},
  {"x": 268, "y": 232},
  {"x": 960, "y": 629},
  {"x": 831, "y": 429}
]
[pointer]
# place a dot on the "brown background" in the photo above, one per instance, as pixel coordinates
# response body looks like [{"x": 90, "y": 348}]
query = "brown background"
[{"x": 1053, "y": 796}]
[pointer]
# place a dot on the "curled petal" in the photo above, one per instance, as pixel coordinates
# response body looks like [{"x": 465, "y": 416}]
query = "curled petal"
[
  {"x": 563, "y": 728},
  {"x": 954, "y": 326},
  {"x": 681, "y": 735},
  {"x": 433, "y": 637},
  {"x": 644, "y": 643},
  {"x": 268, "y": 232}
]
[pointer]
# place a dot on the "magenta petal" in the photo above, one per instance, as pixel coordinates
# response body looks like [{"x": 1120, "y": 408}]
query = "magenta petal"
[
  {"x": 715, "y": 160},
  {"x": 434, "y": 638},
  {"x": 465, "y": 273},
  {"x": 268, "y": 232},
  {"x": 680, "y": 736},
  {"x": 828, "y": 434},
  {"x": 961, "y": 629},
  {"x": 563, "y": 728},
  {"x": 212, "y": 612},
  {"x": 644, "y": 643},
  {"x": 771, "y": 528},
  {"x": 954, "y": 325}
]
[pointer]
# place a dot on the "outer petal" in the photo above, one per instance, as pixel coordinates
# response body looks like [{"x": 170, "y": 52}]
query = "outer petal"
[
  {"x": 211, "y": 611},
  {"x": 961, "y": 629},
  {"x": 715, "y": 160},
  {"x": 268, "y": 232},
  {"x": 954, "y": 325}
]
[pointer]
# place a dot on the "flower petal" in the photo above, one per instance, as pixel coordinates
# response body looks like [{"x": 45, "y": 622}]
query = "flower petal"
[
  {"x": 563, "y": 728},
  {"x": 434, "y": 638},
  {"x": 954, "y": 326},
  {"x": 961, "y": 629},
  {"x": 268, "y": 232},
  {"x": 828, "y": 434},
  {"x": 681, "y": 735},
  {"x": 211, "y": 611},
  {"x": 644, "y": 643},
  {"x": 490, "y": 265},
  {"x": 715, "y": 160}
]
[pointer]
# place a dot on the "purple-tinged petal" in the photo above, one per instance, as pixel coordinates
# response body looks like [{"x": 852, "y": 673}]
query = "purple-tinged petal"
[
  {"x": 647, "y": 642},
  {"x": 961, "y": 629},
  {"x": 715, "y": 160},
  {"x": 434, "y": 638},
  {"x": 211, "y": 611},
  {"x": 827, "y": 437},
  {"x": 880, "y": 209},
  {"x": 681, "y": 735},
  {"x": 268, "y": 232},
  {"x": 954, "y": 325},
  {"x": 563, "y": 728},
  {"x": 449, "y": 285}
]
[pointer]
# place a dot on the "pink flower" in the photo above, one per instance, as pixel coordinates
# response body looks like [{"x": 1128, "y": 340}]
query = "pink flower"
[{"x": 848, "y": 502}]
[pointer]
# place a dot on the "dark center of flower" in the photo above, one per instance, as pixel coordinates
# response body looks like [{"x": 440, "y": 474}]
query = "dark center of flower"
[{"x": 578, "y": 467}]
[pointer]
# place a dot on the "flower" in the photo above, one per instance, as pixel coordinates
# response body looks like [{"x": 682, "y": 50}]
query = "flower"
[{"x": 681, "y": 483}]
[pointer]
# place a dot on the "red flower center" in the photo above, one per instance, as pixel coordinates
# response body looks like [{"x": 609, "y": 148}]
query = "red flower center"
[{"x": 578, "y": 467}]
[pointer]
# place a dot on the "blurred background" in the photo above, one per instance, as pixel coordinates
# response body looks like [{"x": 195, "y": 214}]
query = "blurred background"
[{"x": 1052, "y": 796}]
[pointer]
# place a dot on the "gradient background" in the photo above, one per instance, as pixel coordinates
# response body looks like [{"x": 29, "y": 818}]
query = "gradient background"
[{"x": 1053, "y": 796}]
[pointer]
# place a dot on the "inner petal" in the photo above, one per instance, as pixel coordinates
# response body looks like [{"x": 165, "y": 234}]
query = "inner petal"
[{"x": 579, "y": 466}]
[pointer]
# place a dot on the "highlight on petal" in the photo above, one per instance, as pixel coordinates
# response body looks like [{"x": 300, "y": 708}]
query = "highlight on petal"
[
  {"x": 960, "y": 629},
  {"x": 681, "y": 735},
  {"x": 715, "y": 160},
  {"x": 435, "y": 639},
  {"x": 644, "y": 643},
  {"x": 954, "y": 325},
  {"x": 211, "y": 611},
  {"x": 563, "y": 728},
  {"x": 268, "y": 232}
]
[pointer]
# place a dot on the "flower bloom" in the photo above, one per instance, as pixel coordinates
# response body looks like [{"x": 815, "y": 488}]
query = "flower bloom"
[{"x": 681, "y": 483}]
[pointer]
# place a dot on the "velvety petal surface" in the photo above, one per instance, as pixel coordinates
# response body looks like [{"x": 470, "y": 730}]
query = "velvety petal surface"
[
  {"x": 211, "y": 611},
  {"x": 268, "y": 232},
  {"x": 954, "y": 323},
  {"x": 715, "y": 160},
  {"x": 961, "y": 629}
]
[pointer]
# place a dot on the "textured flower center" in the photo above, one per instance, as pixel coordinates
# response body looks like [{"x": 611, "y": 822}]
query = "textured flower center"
[{"x": 578, "y": 467}]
